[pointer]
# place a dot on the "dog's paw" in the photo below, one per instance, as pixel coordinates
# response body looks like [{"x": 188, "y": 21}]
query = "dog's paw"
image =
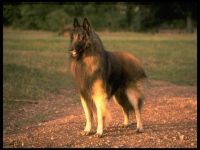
[
  {"x": 139, "y": 130},
  {"x": 98, "y": 135},
  {"x": 125, "y": 125},
  {"x": 85, "y": 133}
]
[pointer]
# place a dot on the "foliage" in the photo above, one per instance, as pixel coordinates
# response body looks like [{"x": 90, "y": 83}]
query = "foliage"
[{"x": 104, "y": 16}]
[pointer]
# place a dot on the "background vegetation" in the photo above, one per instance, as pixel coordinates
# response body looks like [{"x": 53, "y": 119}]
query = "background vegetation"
[{"x": 113, "y": 16}]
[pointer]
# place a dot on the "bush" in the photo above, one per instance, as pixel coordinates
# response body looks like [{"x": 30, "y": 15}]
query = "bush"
[
  {"x": 103, "y": 16},
  {"x": 31, "y": 17},
  {"x": 11, "y": 14},
  {"x": 57, "y": 19}
]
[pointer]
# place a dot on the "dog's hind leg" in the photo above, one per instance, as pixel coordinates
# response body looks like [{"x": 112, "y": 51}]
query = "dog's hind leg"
[
  {"x": 121, "y": 99},
  {"x": 126, "y": 117},
  {"x": 136, "y": 99},
  {"x": 88, "y": 116}
]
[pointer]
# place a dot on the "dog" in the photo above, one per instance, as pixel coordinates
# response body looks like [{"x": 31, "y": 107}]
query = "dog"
[{"x": 101, "y": 75}]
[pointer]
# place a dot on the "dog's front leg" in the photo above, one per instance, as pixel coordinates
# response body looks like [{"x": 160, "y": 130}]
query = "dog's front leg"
[
  {"x": 102, "y": 114},
  {"x": 99, "y": 97},
  {"x": 100, "y": 121},
  {"x": 88, "y": 117}
]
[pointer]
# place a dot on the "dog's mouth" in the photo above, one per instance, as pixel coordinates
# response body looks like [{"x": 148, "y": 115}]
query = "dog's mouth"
[{"x": 74, "y": 53}]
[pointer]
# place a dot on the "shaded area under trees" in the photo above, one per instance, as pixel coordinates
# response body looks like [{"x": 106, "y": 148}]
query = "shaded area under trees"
[{"x": 104, "y": 16}]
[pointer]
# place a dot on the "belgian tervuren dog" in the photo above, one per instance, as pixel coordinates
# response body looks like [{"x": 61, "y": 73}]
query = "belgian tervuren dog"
[{"x": 101, "y": 75}]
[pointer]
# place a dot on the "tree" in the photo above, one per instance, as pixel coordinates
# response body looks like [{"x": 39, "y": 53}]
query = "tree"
[{"x": 113, "y": 16}]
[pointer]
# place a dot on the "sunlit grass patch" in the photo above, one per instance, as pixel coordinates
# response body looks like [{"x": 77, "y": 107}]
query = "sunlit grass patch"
[{"x": 36, "y": 62}]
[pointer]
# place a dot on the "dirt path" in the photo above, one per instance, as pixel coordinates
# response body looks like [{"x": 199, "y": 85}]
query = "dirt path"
[{"x": 169, "y": 117}]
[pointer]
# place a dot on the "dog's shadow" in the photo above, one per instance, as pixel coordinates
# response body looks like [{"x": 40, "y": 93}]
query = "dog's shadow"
[{"x": 120, "y": 130}]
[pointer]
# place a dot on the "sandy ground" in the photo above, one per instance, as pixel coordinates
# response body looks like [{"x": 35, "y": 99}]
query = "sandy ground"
[{"x": 169, "y": 118}]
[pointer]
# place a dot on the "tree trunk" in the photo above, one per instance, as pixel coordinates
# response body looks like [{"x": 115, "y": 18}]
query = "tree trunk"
[{"x": 189, "y": 25}]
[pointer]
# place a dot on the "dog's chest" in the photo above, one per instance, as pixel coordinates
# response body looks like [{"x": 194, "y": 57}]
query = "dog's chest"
[
  {"x": 90, "y": 64},
  {"x": 85, "y": 71}
]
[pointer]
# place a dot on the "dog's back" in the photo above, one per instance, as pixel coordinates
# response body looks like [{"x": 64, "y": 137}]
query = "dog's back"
[{"x": 131, "y": 67}]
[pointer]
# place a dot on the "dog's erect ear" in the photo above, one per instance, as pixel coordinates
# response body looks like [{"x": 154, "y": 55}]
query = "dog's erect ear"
[
  {"x": 86, "y": 25},
  {"x": 76, "y": 24}
]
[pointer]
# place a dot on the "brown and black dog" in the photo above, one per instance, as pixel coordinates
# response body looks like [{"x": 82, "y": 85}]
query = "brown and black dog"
[{"x": 101, "y": 75}]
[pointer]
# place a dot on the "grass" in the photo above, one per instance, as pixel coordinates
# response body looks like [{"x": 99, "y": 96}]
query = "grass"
[{"x": 36, "y": 62}]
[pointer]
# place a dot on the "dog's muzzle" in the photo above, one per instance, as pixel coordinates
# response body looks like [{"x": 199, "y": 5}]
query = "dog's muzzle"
[{"x": 74, "y": 53}]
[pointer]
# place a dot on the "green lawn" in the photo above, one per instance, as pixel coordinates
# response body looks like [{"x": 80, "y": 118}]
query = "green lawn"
[{"x": 36, "y": 62}]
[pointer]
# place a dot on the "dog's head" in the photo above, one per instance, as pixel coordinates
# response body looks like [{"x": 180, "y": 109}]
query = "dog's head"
[{"x": 79, "y": 38}]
